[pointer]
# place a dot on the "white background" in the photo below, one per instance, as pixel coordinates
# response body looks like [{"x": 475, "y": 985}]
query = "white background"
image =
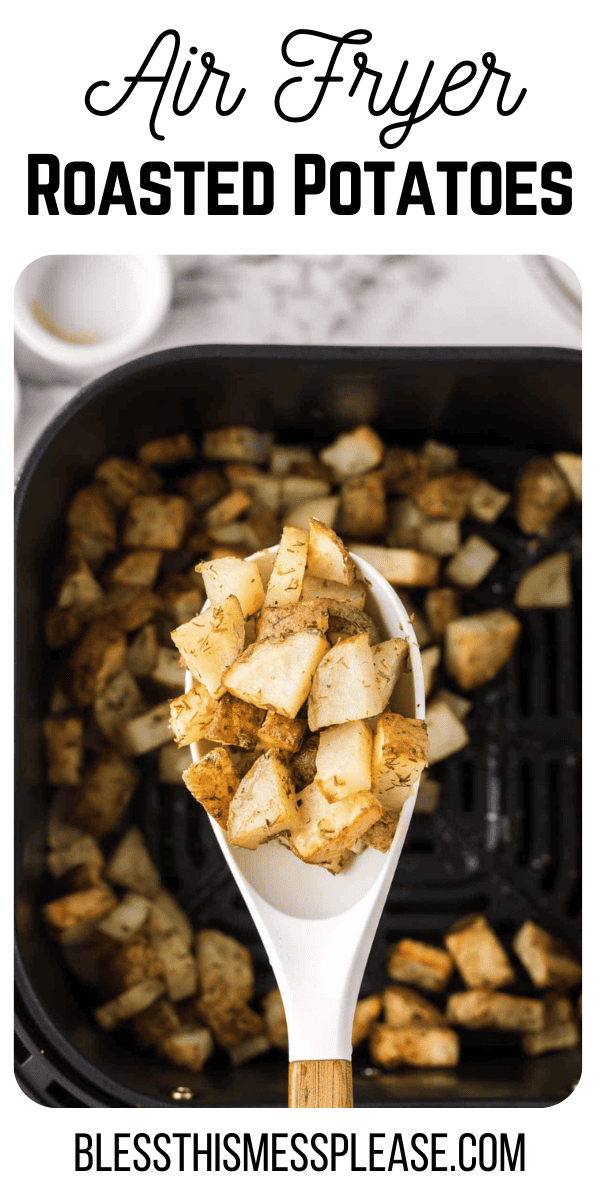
[{"x": 51, "y": 56}]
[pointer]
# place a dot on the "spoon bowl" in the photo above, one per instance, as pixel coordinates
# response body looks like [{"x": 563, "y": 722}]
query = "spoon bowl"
[{"x": 317, "y": 928}]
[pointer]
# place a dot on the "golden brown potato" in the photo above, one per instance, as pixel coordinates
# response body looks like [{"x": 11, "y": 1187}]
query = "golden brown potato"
[
  {"x": 541, "y": 493},
  {"x": 354, "y": 453},
  {"x": 282, "y": 733},
  {"x": 363, "y": 511},
  {"x": 547, "y": 584},
  {"x": 156, "y": 522},
  {"x": 131, "y": 866},
  {"x": 417, "y": 1047},
  {"x": 122, "y": 479},
  {"x": 213, "y": 781},
  {"x": 89, "y": 905},
  {"x": 420, "y": 964},
  {"x": 64, "y": 749},
  {"x": 442, "y": 605},
  {"x": 482, "y": 1009},
  {"x": 235, "y": 723},
  {"x": 476, "y": 648},
  {"x": 403, "y": 1006},
  {"x": 365, "y": 1014},
  {"x": 264, "y": 804},
  {"x": 399, "y": 756},
  {"x": 447, "y": 496},
  {"x": 225, "y": 970},
  {"x": 479, "y": 954},
  {"x": 104, "y": 793},
  {"x": 546, "y": 960},
  {"x": 166, "y": 451},
  {"x": 92, "y": 520},
  {"x": 97, "y": 657}
]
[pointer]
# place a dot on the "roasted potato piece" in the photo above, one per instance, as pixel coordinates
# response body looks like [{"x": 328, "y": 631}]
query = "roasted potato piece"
[
  {"x": 277, "y": 675},
  {"x": 320, "y": 508},
  {"x": 327, "y": 556},
  {"x": 166, "y": 451},
  {"x": 192, "y": 714},
  {"x": 213, "y": 782},
  {"x": 354, "y": 453},
  {"x": 476, "y": 648},
  {"x": 365, "y": 1014},
  {"x": 131, "y": 865},
  {"x": 231, "y": 577},
  {"x": 482, "y": 1009},
  {"x": 441, "y": 607},
  {"x": 103, "y": 794},
  {"x": 486, "y": 502},
  {"x": 178, "y": 966},
  {"x": 98, "y": 656},
  {"x": 447, "y": 733},
  {"x": 459, "y": 704},
  {"x": 328, "y": 590},
  {"x": 304, "y": 763},
  {"x": 264, "y": 804},
  {"x": 472, "y": 563},
  {"x": 235, "y": 723},
  {"x": 122, "y": 479},
  {"x": 420, "y": 964},
  {"x": 148, "y": 731},
  {"x": 403, "y": 1006},
  {"x": 570, "y": 465},
  {"x": 156, "y": 522},
  {"x": 346, "y": 622},
  {"x": 381, "y": 835},
  {"x": 82, "y": 851},
  {"x": 172, "y": 762},
  {"x": 478, "y": 954},
  {"x": 547, "y": 962},
  {"x": 547, "y": 584},
  {"x": 133, "y": 1001},
  {"x": 281, "y": 733},
  {"x": 202, "y": 487},
  {"x": 164, "y": 905},
  {"x": 211, "y": 643},
  {"x": 120, "y": 700},
  {"x": 344, "y": 760},
  {"x": 78, "y": 587},
  {"x": 64, "y": 749},
  {"x": 137, "y": 567},
  {"x": 326, "y": 829},
  {"x": 541, "y": 493},
  {"x": 285, "y": 583},
  {"x": 344, "y": 686},
  {"x": 182, "y": 597},
  {"x": 403, "y": 568},
  {"x": 430, "y": 660},
  {"x": 417, "y": 1047},
  {"x": 405, "y": 523},
  {"x": 88, "y": 906},
  {"x": 446, "y": 496},
  {"x": 142, "y": 652},
  {"x": 225, "y": 970},
  {"x": 130, "y": 963},
  {"x": 126, "y": 919},
  {"x": 284, "y": 457},
  {"x": 189, "y": 1046},
  {"x": 438, "y": 458},
  {"x": 92, "y": 521},
  {"x": 156, "y": 1022},
  {"x": 226, "y": 510},
  {"x": 399, "y": 756},
  {"x": 441, "y": 537},
  {"x": 239, "y": 442},
  {"x": 390, "y": 660},
  {"x": 278, "y": 623},
  {"x": 363, "y": 511},
  {"x": 559, "y": 1031},
  {"x": 404, "y": 470}
]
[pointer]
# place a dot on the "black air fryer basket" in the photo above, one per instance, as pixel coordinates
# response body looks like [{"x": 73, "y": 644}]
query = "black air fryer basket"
[{"x": 505, "y": 840}]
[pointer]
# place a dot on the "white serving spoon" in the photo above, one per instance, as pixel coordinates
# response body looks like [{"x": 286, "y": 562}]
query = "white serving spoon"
[{"x": 317, "y": 928}]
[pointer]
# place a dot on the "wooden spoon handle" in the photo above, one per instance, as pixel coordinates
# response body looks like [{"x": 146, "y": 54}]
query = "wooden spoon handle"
[{"x": 320, "y": 1083}]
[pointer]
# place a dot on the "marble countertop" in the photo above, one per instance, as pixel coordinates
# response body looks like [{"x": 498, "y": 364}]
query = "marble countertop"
[{"x": 386, "y": 300}]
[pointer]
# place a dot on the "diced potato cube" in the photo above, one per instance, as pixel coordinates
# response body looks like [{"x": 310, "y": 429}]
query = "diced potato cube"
[
  {"x": 346, "y": 622},
  {"x": 405, "y": 523},
  {"x": 327, "y": 556},
  {"x": 157, "y": 522},
  {"x": 365, "y": 1014},
  {"x": 570, "y": 465},
  {"x": 235, "y": 723},
  {"x": 182, "y": 597},
  {"x": 167, "y": 451},
  {"x": 133, "y": 1001},
  {"x": 178, "y": 966},
  {"x": 560, "y": 1030},
  {"x": 478, "y": 647},
  {"x": 192, "y": 714},
  {"x": 447, "y": 496},
  {"x": 78, "y": 588},
  {"x": 239, "y": 442},
  {"x": 64, "y": 749},
  {"x": 227, "y": 509},
  {"x": 98, "y": 656},
  {"x": 131, "y": 865},
  {"x": 156, "y": 1022},
  {"x": 541, "y": 493},
  {"x": 142, "y": 652},
  {"x": 487, "y": 502},
  {"x": 275, "y": 1021},
  {"x": 441, "y": 607},
  {"x": 225, "y": 970},
  {"x": 404, "y": 470},
  {"x": 281, "y": 733},
  {"x": 120, "y": 700},
  {"x": 390, "y": 1048},
  {"x": 353, "y": 594},
  {"x": 482, "y": 1009},
  {"x": 103, "y": 794},
  {"x": 473, "y": 562},
  {"x": 202, "y": 487},
  {"x": 421, "y": 629},
  {"x": 447, "y": 734},
  {"x": 164, "y": 905},
  {"x": 354, "y": 453},
  {"x": 546, "y": 960},
  {"x": 189, "y": 1046},
  {"x": 363, "y": 511},
  {"x": 345, "y": 686},
  {"x": 344, "y": 760},
  {"x": 213, "y": 782},
  {"x": 479, "y": 954},
  {"x": 403, "y": 1006},
  {"x": 137, "y": 567},
  {"x": 328, "y": 829},
  {"x": 277, "y": 675},
  {"x": 389, "y": 659},
  {"x": 284, "y": 457},
  {"x": 91, "y": 519},
  {"x": 399, "y": 756},
  {"x": 440, "y": 537},
  {"x": 459, "y": 704},
  {"x": 82, "y": 851},
  {"x": 420, "y": 964},
  {"x": 264, "y": 804},
  {"x": 122, "y": 479},
  {"x": 148, "y": 731},
  {"x": 381, "y": 835},
  {"x": 126, "y": 919},
  {"x": 278, "y": 623},
  {"x": 430, "y": 660},
  {"x": 438, "y": 458},
  {"x": 172, "y": 762},
  {"x": 89, "y": 906},
  {"x": 239, "y": 1030},
  {"x": 320, "y": 508},
  {"x": 285, "y": 583},
  {"x": 405, "y": 568},
  {"x": 547, "y": 584},
  {"x": 231, "y": 577},
  {"x": 211, "y": 643},
  {"x": 130, "y": 963}
]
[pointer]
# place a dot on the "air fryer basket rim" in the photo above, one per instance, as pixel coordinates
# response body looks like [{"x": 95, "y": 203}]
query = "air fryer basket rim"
[{"x": 81, "y": 1076}]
